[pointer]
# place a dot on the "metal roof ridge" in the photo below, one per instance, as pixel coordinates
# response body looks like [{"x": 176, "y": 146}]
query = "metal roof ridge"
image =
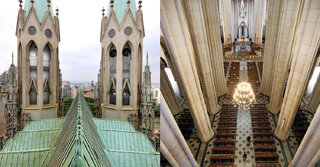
[
  {"x": 25, "y": 151},
  {"x": 27, "y": 131},
  {"x": 113, "y": 130},
  {"x": 135, "y": 152}
]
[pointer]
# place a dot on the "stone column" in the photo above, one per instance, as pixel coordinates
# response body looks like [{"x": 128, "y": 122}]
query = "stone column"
[
  {"x": 304, "y": 54},
  {"x": 196, "y": 20},
  {"x": 259, "y": 9},
  {"x": 177, "y": 37},
  {"x": 284, "y": 49},
  {"x": 227, "y": 21},
  {"x": 308, "y": 153},
  {"x": 166, "y": 153},
  {"x": 272, "y": 28},
  {"x": 314, "y": 99},
  {"x": 211, "y": 17},
  {"x": 173, "y": 145}
]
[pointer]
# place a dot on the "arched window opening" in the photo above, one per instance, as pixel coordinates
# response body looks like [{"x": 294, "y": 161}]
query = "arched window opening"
[
  {"x": 113, "y": 62},
  {"x": 33, "y": 61},
  {"x": 33, "y": 94},
  {"x": 46, "y": 74},
  {"x": 113, "y": 96},
  {"x": 46, "y": 94},
  {"x": 126, "y": 53},
  {"x": 126, "y": 96},
  {"x": 33, "y": 64}
]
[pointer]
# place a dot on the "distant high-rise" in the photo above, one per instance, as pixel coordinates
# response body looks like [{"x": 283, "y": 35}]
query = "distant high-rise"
[{"x": 66, "y": 89}]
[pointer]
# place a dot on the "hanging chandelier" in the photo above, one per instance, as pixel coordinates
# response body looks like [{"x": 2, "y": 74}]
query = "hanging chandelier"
[{"x": 243, "y": 96}]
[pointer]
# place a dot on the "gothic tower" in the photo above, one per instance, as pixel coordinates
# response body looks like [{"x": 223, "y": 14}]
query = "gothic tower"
[
  {"x": 12, "y": 105},
  {"x": 38, "y": 38},
  {"x": 122, "y": 34},
  {"x": 146, "y": 111}
]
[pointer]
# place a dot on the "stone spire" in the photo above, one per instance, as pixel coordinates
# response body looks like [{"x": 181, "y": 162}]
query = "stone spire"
[
  {"x": 12, "y": 58},
  {"x": 12, "y": 105},
  {"x": 146, "y": 110}
]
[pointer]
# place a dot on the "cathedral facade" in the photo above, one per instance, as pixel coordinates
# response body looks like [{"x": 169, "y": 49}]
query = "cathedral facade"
[{"x": 122, "y": 33}]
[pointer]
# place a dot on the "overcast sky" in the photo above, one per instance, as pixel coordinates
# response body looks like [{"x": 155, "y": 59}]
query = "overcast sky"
[{"x": 80, "y": 32}]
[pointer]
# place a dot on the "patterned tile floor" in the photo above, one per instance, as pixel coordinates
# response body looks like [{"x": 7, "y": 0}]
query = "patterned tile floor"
[
  {"x": 208, "y": 153},
  {"x": 194, "y": 142},
  {"x": 243, "y": 131},
  {"x": 280, "y": 145}
]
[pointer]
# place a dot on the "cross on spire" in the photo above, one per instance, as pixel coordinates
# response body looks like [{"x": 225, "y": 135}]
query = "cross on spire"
[
  {"x": 111, "y": 3},
  {"x": 103, "y": 11},
  {"x": 57, "y": 11},
  {"x": 20, "y": 4},
  {"x": 140, "y": 2},
  {"x": 32, "y": 1},
  {"x": 128, "y": 2},
  {"x": 49, "y": 1}
]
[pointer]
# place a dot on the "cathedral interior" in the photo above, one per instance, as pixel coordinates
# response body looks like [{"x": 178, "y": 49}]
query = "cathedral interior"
[{"x": 240, "y": 83}]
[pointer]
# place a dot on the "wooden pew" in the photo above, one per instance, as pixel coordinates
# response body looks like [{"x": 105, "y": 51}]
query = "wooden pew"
[
  {"x": 261, "y": 128},
  {"x": 264, "y": 148},
  {"x": 223, "y": 150},
  {"x": 221, "y": 165},
  {"x": 267, "y": 165},
  {"x": 227, "y": 128},
  {"x": 262, "y": 134},
  {"x": 224, "y": 141},
  {"x": 263, "y": 140}
]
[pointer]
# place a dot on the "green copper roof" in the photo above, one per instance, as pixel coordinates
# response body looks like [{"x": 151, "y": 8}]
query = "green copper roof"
[
  {"x": 40, "y": 6},
  {"x": 79, "y": 140},
  {"x": 120, "y": 7}
]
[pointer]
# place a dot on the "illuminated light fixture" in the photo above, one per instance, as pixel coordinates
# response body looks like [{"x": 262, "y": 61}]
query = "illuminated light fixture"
[{"x": 243, "y": 96}]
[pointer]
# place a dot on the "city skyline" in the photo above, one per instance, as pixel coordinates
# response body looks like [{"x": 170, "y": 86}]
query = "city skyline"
[{"x": 80, "y": 59}]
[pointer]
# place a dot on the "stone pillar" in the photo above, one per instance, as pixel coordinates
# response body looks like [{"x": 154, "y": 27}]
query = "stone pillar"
[
  {"x": 166, "y": 153},
  {"x": 314, "y": 99},
  {"x": 227, "y": 21},
  {"x": 272, "y": 28},
  {"x": 308, "y": 153},
  {"x": 304, "y": 54},
  {"x": 211, "y": 17},
  {"x": 167, "y": 91},
  {"x": 196, "y": 18},
  {"x": 177, "y": 37},
  {"x": 291, "y": 13},
  {"x": 259, "y": 10},
  {"x": 173, "y": 145}
]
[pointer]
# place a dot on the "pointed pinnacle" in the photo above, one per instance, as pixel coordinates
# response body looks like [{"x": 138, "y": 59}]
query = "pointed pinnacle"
[
  {"x": 12, "y": 57},
  {"x": 147, "y": 58}
]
